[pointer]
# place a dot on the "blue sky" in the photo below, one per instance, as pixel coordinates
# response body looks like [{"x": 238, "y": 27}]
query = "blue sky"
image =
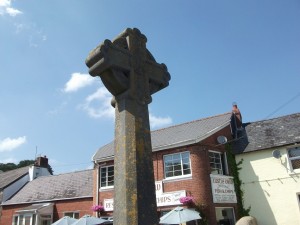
[{"x": 217, "y": 52}]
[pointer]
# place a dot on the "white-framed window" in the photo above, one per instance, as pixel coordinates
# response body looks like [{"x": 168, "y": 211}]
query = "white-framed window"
[
  {"x": 218, "y": 163},
  {"x": 177, "y": 164},
  {"x": 72, "y": 214},
  {"x": 107, "y": 177},
  {"x": 225, "y": 215},
  {"x": 294, "y": 157},
  {"x": 45, "y": 219},
  {"x": 24, "y": 219}
]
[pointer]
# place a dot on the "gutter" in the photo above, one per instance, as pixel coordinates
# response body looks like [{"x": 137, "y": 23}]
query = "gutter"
[
  {"x": 105, "y": 159},
  {"x": 49, "y": 200},
  {"x": 191, "y": 141}
]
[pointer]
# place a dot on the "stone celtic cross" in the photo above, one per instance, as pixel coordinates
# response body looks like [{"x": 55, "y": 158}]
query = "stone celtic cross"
[{"x": 131, "y": 74}]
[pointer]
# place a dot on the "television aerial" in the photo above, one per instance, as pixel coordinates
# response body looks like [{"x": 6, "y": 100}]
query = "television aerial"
[
  {"x": 276, "y": 154},
  {"x": 222, "y": 139}
]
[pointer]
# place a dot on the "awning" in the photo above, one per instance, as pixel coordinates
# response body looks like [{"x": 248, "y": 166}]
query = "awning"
[{"x": 44, "y": 208}]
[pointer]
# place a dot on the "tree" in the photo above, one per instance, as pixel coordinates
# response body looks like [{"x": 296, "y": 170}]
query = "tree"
[
  {"x": 11, "y": 166},
  {"x": 7, "y": 166},
  {"x": 27, "y": 162}
]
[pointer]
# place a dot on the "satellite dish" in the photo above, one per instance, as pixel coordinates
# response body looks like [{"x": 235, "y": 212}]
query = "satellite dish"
[
  {"x": 276, "y": 154},
  {"x": 221, "y": 139}
]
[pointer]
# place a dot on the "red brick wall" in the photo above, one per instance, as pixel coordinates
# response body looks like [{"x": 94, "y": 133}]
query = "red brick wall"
[
  {"x": 8, "y": 212},
  {"x": 107, "y": 194},
  {"x": 200, "y": 185},
  {"x": 95, "y": 186},
  {"x": 83, "y": 206}
]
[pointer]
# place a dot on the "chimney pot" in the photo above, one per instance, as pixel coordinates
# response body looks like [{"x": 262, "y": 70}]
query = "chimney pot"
[
  {"x": 236, "y": 112},
  {"x": 41, "y": 161}
]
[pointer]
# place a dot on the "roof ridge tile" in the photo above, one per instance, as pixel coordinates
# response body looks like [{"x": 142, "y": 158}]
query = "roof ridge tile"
[{"x": 193, "y": 121}]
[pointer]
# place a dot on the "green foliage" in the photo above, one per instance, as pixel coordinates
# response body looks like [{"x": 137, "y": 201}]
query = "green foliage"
[
  {"x": 234, "y": 169},
  {"x": 23, "y": 163},
  {"x": 200, "y": 207},
  {"x": 11, "y": 166},
  {"x": 7, "y": 166},
  {"x": 50, "y": 169}
]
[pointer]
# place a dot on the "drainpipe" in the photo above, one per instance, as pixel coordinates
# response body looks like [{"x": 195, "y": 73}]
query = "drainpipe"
[{"x": 97, "y": 185}]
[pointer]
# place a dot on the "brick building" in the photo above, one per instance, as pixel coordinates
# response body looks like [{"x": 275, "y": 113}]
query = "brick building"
[
  {"x": 49, "y": 198},
  {"x": 12, "y": 181},
  {"x": 189, "y": 159}
]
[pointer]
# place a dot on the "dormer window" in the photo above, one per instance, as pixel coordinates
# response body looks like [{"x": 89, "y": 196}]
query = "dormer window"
[
  {"x": 294, "y": 157},
  {"x": 107, "y": 177}
]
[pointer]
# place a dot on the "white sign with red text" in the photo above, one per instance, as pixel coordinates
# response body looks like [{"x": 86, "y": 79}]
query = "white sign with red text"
[
  {"x": 222, "y": 189},
  {"x": 170, "y": 198},
  {"x": 162, "y": 199}
]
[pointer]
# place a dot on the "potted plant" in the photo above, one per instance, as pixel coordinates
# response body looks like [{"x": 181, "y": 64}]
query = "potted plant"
[{"x": 98, "y": 209}]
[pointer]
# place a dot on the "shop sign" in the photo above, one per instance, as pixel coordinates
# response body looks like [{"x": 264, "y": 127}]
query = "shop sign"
[
  {"x": 158, "y": 188},
  {"x": 108, "y": 204},
  {"x": 171, "y": 198},
  {"x": 162, "y": 199},
  {"x": 222, "y": 189}
]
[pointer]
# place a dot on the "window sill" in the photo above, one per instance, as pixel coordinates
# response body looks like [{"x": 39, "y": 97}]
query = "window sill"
[
  {"x": 179, "y": 178},
  {"x": 106, "y": 189},
  {"x": 294, "y": 172},
  {"x": 220, "y": 175}
]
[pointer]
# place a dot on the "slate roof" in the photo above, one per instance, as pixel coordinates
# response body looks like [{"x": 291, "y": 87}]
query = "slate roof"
[
  {"x": 9, "y": 177},
  {"x": 269, "y": 133},
  {"x": 36, "y": 207},
  {"x": 176, "y": 136},
  {"x": 57, "y": 187}
]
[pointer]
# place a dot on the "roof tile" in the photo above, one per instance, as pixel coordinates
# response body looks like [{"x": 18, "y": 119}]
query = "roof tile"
[
  {"x": 178, "y": 135},
  {"x": 6, "y": 178},
  {"x": 269, "y": 133},
  {"x": 57, "y": 187}
]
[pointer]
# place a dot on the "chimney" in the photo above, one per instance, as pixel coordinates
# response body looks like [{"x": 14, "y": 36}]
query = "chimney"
[
  {"x": 238, "y": 115},
  {"x": 41, "y": 161}
]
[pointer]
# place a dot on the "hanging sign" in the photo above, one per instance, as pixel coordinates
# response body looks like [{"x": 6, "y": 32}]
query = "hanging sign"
[{"x": 222, "y": 189}]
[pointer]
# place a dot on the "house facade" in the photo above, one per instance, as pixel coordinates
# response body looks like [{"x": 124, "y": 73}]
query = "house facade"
[
  {"x": 189, "y": 160},
  {"x": 270, "y": 169},
  {"x": 49, "y": 198},
  {"x": 12, "y": 181}
]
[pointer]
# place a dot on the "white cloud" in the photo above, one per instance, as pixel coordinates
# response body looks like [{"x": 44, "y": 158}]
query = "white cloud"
[
  {"x": 12, "y": 11},
  {"x": 4, "y": 4},
  {"x": 5, "y": 8},
  {"x": 156, "y": 122},
  {"x": 9, "y": 144},
  {"x": 78, "y": 81},
  {"x": 30, "y": 31},
  {"x": 97, "y": 105}
]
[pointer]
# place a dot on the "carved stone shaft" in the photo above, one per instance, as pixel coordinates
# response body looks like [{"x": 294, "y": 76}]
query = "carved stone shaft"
[
  {"x": 131, "y": 74},
  {"x": 134, "y": 198}
]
